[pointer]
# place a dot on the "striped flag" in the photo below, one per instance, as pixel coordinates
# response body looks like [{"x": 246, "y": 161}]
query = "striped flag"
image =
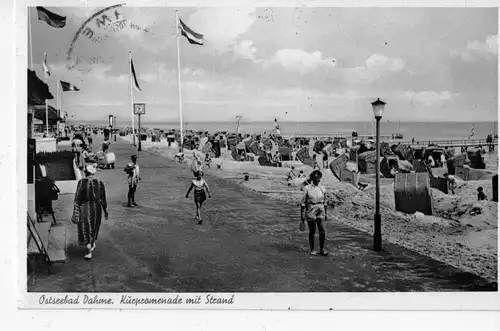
[
  {"x": 68, "y": 86},
  {"x": 192, "y": 37},
  {"x": 471, "y": 132},
  {"x": 134, "y": 77},
  {"x": 45, "y": 67},
  {"x": 238, "y": 118},
  {"x": 276, "y": 127},
  {"x": 51, "y": 18}
]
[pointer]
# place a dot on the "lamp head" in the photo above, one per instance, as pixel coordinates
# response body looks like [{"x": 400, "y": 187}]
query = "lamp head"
[{"x": 378, "y": 108}]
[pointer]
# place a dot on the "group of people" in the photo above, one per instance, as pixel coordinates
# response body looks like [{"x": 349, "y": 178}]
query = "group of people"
[{"x": 90, "y": 203}]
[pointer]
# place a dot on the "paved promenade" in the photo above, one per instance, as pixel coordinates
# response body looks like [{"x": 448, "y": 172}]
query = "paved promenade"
[{"x": 247, "y": 243}]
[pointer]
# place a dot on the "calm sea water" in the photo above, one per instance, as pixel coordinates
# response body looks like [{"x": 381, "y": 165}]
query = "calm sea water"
[{"x": 418, "y": 130}]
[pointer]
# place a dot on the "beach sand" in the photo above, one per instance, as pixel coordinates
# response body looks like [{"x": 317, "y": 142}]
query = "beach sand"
[{"x": 462, "y": 232}]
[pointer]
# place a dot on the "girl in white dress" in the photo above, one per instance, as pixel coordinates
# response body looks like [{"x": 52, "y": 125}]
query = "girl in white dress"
[{"x": 199, "y": 185}]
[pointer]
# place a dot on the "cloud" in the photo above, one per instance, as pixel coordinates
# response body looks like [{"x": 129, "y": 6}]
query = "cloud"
[
  {"x": 163, "y": 73},
  {"x": 192, "y": 72},
  {"x": 245, "y": 49},
  {"x": 429, "y": 99},
  {"x": 301, "y": 61},
  {"x": 377, "y": 66},
  {"x": 96, "y": 72},
  {"x": 479, "y": 50},
  {"x": 378, "y": 62},
  {"x": 222, "y": 27},
  {"x": 103, "y": 103}
]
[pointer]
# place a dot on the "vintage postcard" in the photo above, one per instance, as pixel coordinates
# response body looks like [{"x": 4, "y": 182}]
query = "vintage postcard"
[{"x": 257, "y": 155}]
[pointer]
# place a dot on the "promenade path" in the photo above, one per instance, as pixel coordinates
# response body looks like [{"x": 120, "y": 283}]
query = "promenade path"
[{"x": 247, "y": 243}]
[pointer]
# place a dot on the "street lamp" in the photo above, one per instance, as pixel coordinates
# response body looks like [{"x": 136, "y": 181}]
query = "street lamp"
[
  {"x": 378, "y": 111},
  {"x": 114, "y": 127}
]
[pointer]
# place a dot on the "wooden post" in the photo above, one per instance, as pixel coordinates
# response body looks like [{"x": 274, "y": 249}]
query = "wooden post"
[{"x": 139, "y": 136}]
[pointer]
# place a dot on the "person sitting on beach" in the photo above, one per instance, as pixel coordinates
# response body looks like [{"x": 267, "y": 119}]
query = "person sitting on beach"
[
  {"x": 313, "y": 210},
  {"x": 199, "y": 185},
  {"x": 452, "y": 183},
  {"x": 480, "y": 194},
  {"x": 430, "y": 161},
  {"x": 179, "y": 157},
  {"x": 301, "y": 174},
  {"x": 316, "y": 166},
  {"x": 291, "y": 175},
  {"x": 85, "y": 152}
]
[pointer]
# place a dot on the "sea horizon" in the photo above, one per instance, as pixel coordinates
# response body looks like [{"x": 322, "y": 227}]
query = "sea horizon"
[{"x": 451, "y": 130}]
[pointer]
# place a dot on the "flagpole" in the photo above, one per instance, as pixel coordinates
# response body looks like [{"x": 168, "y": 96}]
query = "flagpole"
[
  {"x": 46, "y": 114},
  {"x": 179, "y": 79},
  {"x": 57, "y": 98},
  {"x": 30, "y": 38},
  {"x": 131, "y": 94}
]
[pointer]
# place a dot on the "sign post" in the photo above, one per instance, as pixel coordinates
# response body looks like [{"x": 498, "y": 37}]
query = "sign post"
[{"x": 139, "y": 109}]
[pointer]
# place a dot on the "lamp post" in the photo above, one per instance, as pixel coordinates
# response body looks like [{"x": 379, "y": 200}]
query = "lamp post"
[
  {"x": 378, "y": 111},
  {"x": 114, "y": 128}
]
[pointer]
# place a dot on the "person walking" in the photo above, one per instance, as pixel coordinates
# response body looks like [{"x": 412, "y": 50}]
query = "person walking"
[
  {"x": 199, "y": 185},
  {"x": 196, "y": 162},
  {"x": 89, "y": 203},
  {"x": 313, "y": 210},
  {"x": 290, "y": 174},
  {"x": 325, "y": 160},
  {"x": 132, "y": 170},
  {"x": 208, "y": 160}
]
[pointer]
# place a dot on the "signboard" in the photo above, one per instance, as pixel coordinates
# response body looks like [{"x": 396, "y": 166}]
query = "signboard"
[
  {"x": 139, "y": 108},
  {"x": 111, "y": 120}
]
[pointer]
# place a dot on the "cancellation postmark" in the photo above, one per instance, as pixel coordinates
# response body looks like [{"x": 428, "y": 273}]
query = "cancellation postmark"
[{"x": 98, "y": 28}]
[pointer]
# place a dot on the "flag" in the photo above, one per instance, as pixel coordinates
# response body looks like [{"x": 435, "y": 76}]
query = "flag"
[
  {"x": 50, "y": 18},
  {"x": 45, "y": 67},
  {"x": 192, "y": 37},
  {"x": 471, "y": 132},
  {"x": 132, "y": 71},
  {"x": 68, "y": 87},
  {"x": 276, "y": 127},
  {"x": 238, "y": 118}
]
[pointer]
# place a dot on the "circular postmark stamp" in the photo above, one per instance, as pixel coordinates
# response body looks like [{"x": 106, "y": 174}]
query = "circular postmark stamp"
[{"x": 98, "y": 28}]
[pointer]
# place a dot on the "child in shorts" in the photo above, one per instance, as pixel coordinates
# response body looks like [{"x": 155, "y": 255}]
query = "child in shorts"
[{"x": 199, "y": 185}]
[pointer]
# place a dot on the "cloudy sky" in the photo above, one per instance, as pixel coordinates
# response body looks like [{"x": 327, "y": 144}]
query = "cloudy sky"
[{"x": 297, "y": 64}]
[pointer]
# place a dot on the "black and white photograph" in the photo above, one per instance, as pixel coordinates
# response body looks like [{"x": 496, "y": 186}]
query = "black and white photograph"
[{"x": 206, "y": 153}]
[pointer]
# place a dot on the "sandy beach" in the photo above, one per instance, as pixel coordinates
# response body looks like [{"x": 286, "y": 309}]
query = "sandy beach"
[{"x": 462, "y": 232}]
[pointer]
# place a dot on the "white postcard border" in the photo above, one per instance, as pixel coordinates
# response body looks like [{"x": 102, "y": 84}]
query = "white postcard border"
[{"x": 259, "y": 301}]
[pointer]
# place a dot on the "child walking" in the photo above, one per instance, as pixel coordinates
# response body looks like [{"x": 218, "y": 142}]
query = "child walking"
[{"x": 199, "y": 185}]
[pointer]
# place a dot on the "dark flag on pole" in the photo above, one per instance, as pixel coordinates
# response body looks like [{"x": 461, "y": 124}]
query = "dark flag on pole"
[
  {"x": 134, "y": 77},
  {"x": 51, "y": 18},
  {"x": 68, "y": 87},
  {"x": 192, "y": 37}
]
